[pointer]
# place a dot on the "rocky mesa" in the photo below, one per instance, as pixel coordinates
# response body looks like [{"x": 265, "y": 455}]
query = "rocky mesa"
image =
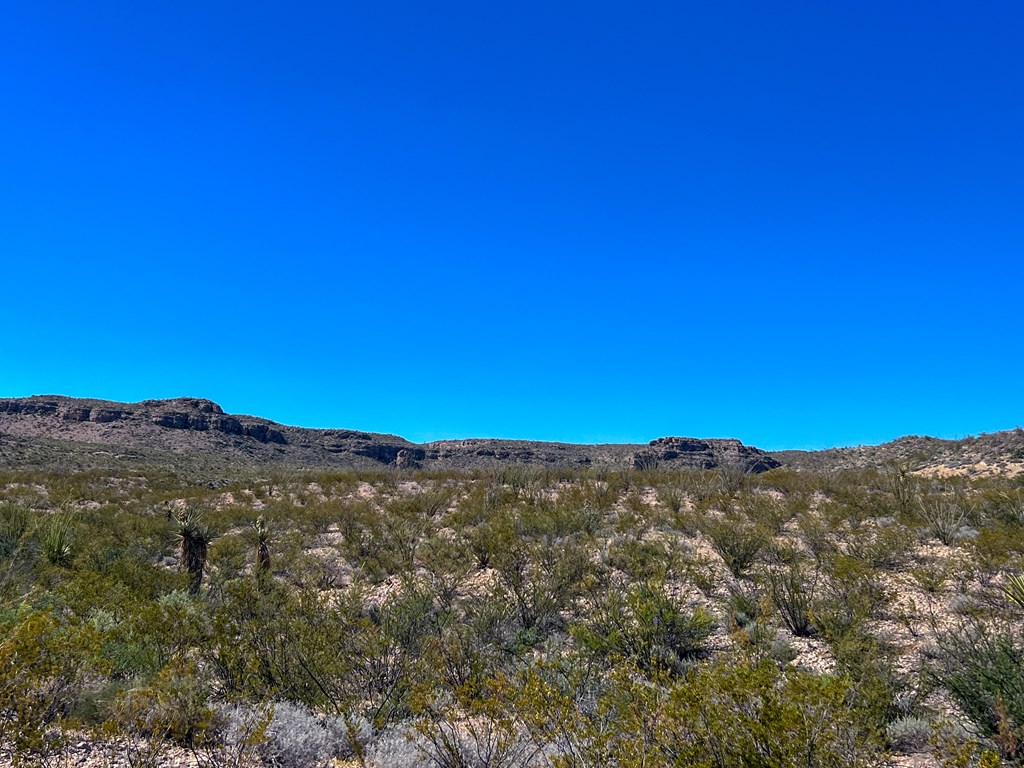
[{"x": 195, "y": 425}]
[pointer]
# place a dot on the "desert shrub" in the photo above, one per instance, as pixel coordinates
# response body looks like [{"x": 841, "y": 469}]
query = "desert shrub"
[
  {"x": 46, "y": 664},
  {"x": 943, "y": 515},
  {"x": 400, "y": 747},
  {"x": 646, "y": 627},
  {"x": 226, "y": 559},
  {"x": 737, "y": 540},
  {"x": 541, "y": 580},
  {"x": 787, "y": 480},
  {"x": 294, "y": 737},
  {"x": 818, "y": 536},
  {"x": 867, "y": 665},
  {"x": 931, "y": 575},
  {"x": 704, "y": 485},
  {"x": 472, "y": 728},
  {"x": 745, "y": 605},
  {"x": 885, "y": 546},
  {"x": 730, "y": 713},
  {"x": 852, "y": 594},
  {"x": 172, "y": 707},
  {"x": 269, "y": 642},
  {"x": 853, "y": 504},
  {"x": 673, "y": 496},
  {"x": 746, "y": 620},
  {"x": 554, "y": 520},
  {"x": 596, "y": 494},
  {"x": 14, "y": 524},
  {"x": 386, "y": 658},
  {"x": 792, "y": 594},
  {"x": 164, "y": 630},
  {"x": 1004, "y": 504},
  {"x": 446, "y": 561},
  {"x": 766, "y": 512},
  {"x": 983, "y": 669},
  {"x": 243, "y": 731},
  {"x": 756, "y": 714},
  {"x": 909, "y": 734},
  {"x": 999, "y": 545},
  {"x": 903, "y": 486},
  {"x": 58, "y": 539},
  {"x": 642, "y": 560},
  {"x": 780, "y": 551}
]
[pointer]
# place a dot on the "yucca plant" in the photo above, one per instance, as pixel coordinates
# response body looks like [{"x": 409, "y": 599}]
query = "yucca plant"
[
  {"x": 262, "y": 533},
  {"x": 1014, "y": 589},
  {"x": 193, "y": 537}
]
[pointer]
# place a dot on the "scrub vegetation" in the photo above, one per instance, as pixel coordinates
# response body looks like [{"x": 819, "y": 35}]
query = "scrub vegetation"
[{"x": 511, "y": 618}]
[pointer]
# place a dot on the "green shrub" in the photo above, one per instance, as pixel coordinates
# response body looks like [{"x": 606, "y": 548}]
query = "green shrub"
[
  {"x": 737, "y": 541},
  {"x": 943, "y": 515},
  {"x": 792, "y": 593},
  {"x": 758, "y": 715},
  {"x": 14, "y": 523},
  {"x": 646, "y": 627},
  {"x": 721, "y": 715},
  {"x": 58, "y": 543},
  {"x": 45, "y": 664},
  {"x": 983, "y": 670}
]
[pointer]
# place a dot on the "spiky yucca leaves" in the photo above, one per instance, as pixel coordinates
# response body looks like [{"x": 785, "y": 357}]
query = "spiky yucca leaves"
[
  {"x": 14, "y": 524},
  {"x": 59, "y": 539},
  {"x": 1014, "y": 589},
  {"x": 261, "y": 531},
  {"x": 193, "y": 537}
]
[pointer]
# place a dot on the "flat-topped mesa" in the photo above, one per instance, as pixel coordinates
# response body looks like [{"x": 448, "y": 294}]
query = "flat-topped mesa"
[{"x": 186, "y": 425}]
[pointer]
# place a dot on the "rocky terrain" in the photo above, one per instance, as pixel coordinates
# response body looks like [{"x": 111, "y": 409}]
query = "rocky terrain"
[
  {"x": 48, "y": 430},
  {"x": 73, "y": 426},
  {"x": 996, "y": 453}
]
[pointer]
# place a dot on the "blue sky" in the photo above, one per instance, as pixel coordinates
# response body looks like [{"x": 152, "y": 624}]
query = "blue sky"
[{"x": 798, "y": 224}]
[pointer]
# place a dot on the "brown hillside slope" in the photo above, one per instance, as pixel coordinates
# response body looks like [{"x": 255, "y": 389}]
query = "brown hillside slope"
[{"x": 996, "y": 453}]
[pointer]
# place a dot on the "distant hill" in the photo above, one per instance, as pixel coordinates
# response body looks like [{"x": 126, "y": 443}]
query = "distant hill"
[
  {"x": 996, "y": 453},
  {"x": 52, "y": 429}
]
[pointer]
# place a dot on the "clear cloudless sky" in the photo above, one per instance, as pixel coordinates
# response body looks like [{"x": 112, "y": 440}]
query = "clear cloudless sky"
[{"x": 799, "y": 223}]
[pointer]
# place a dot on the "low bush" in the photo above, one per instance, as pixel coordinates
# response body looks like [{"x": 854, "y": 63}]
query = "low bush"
[
  {"x": 647, "y": 628},
  {"x": 737, "y": 540},
  {"x": 294, "y": 737},
  {"x": 792, "y": 593},
  {"x": 983, "y": 669}
]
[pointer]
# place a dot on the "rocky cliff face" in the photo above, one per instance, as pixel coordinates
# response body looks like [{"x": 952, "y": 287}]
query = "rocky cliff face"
[
  {"x": 703, "y": 454},
  {"x": 192, "y": 425}
]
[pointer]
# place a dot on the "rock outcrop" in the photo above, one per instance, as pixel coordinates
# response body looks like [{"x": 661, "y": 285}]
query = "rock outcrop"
[
  {"x": 703, "y": 454},
  {"x": 193, "y": 425}
]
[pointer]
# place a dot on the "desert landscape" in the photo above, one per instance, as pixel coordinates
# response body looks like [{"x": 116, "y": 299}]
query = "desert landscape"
[
  {"x": 511, "y": 385},
  {"x": 182, "y": 586}
]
